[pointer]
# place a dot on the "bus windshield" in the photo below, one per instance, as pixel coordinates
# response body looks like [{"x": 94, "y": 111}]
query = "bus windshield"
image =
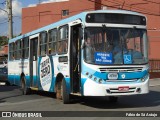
[{"x": 115, "y": 45}]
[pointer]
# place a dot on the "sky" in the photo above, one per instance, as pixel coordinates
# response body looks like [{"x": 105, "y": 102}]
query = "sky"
[{"x": 17, "y": 6}]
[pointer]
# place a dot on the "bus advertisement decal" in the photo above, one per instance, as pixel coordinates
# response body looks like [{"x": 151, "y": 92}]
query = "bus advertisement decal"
[{"x": 45, "y": 73}]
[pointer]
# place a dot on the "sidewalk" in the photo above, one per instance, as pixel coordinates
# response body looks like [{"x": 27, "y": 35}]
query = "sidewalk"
[{"x": 154, "y": 82}]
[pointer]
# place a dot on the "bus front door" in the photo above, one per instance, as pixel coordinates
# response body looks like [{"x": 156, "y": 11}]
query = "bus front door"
[
  {"x": 75, "y": 59},
  {"x": 33, "y": 62}
]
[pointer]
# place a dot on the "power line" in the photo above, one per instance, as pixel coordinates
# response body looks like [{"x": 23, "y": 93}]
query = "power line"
[
  {"x": 3, "y": 2},
  {"x": 53, "y": 14},
  {"x": 3, "y": 22},
  {"x": 130, "y": 5},
  {"x": 151, "y": 1},
  {"x": 4, "y": 19},
  {"x": 4, "y": 10},
  {"x": 142, "y": 10},
  {"x": 137, "y": 9},
  {"x": 17, "y": 16}
]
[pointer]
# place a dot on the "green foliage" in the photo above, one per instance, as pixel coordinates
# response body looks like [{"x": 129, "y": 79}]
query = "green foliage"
[{"x": 3, "y": 40}]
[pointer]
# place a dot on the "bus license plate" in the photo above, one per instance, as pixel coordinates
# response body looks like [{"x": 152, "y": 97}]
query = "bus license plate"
[
  {"x": 112, "y": 76},
  {"x": 123, "y": 88}
]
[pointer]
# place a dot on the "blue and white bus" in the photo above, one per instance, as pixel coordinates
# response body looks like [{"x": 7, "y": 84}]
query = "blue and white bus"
[{"x": 95, "y": 53}]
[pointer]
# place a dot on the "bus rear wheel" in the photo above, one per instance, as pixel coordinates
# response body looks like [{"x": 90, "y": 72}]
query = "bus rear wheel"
[{"x": 25, "y": 90}]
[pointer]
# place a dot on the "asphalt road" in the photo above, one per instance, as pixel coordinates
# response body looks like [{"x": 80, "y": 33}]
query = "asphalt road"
[{"x": 11, "y": 99}]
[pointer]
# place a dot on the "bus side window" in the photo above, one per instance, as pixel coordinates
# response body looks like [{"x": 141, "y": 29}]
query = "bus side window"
[
  {"x": 19, "y": 49},
  {"x": 63, "y": 40},
  {"x": 43, "y": 43},
  {"x": 25, "y": 48},
  {"x": 15, "y": 50},
  {"x": 11, "y": 51},
  {"x": 52, "y": 34}
]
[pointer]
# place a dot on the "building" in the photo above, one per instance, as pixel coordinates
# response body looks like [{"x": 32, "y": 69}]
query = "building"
[
  {"x": 3, "y": 54},
  {"x": 44, "y": 14}
]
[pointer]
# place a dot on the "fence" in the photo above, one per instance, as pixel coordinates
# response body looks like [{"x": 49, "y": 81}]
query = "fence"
[{"x": 154, "y": 68}]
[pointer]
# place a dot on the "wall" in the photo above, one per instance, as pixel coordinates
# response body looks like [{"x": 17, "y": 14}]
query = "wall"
[
  {"x": 151, "y": 9},
  {"x": 44, "y": 14}
]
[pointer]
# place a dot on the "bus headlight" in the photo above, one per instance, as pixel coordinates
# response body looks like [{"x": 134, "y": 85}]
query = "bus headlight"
[
  {"x": 90, "y": 76},
  {"x": 87, "y": 73},
  {"x": 144, "y": 78},
  {"x": 100, "y": 80},
  {"x": 95, "y": 79}
]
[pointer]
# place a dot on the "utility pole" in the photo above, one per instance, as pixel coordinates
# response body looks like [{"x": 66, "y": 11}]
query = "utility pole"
[{"x": 10, "y": 23}]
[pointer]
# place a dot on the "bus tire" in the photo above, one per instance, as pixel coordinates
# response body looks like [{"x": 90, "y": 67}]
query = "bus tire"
[
  {"x": 59, "y": 90},
  {"x": 113, "y": 99},
  {"x": 25, "y": 90},
  {"x": 8, "y": 83},
  {"x": 65, "y": 95}
]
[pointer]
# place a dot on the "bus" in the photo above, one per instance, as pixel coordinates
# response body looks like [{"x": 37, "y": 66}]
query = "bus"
[{"x": 94, "y": 53}]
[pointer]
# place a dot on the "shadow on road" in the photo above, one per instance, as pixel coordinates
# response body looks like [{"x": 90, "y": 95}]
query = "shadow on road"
[
  {"x": 4, "y": 92},
  {"x": 2, "y": 101},
  {"x": 5, "y": 88},
  {"x": 136, "y": 101},
  {"x": 43, "y": 93}
]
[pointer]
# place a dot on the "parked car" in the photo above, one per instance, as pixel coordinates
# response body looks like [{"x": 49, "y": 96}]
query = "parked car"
[{"x": 4, "y": 75}]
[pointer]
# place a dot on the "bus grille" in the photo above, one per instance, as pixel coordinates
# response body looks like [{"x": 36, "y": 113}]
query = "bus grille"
[
  {"x": 115, "y": 90},
  {"x": 121, "y": 69},
  {"x": 131, "y": 80}
]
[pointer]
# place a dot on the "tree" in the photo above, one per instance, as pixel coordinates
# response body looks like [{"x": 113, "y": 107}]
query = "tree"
[{"x": 3, "y": 40}]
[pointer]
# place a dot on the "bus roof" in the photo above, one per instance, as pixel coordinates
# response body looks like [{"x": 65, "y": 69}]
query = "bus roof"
[{"x": 70, "y": 19}]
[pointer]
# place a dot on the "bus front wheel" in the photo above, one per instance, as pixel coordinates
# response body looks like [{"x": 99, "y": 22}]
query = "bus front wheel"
[
  {"x": 65, "y": 95},
  {"x": 61, "y": 92},
  {"x": 25, "y": 90}
]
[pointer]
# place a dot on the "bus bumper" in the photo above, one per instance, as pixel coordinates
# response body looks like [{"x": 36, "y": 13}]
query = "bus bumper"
[{"x": 92, "y": 88}]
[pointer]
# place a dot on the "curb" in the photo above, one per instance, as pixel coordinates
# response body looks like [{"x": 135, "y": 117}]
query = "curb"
[
  {"x": 154, "y": 82},
  {"x": 154, "y": 85},
  {"x": 155, "y": 79}
]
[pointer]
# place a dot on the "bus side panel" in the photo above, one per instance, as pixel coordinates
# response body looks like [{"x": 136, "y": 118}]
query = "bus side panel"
[
  {"x": 18, "y": 72},
  {"x": 61, "y": 68},
  {"x": 46, "y": 79},
  {"x": 15, "y": 69},
  {"x": 11, "y": 69},
  {"x": 14, "y": 72},
  {"x": 11, "y": 79}
]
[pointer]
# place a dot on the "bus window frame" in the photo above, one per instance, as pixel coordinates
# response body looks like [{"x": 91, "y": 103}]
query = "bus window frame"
[
  {"x": 11, "y": 51},
  {"x": 25, "y": 48},
  {"x": 62, "y": 40},
  {"x": 52, "y": 42},
  {"x": 18, "y": 49},
  {"x": 42, "y": 44},
  {"x": 15, "y": 50}
]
